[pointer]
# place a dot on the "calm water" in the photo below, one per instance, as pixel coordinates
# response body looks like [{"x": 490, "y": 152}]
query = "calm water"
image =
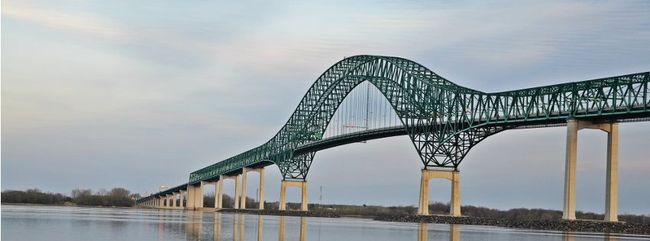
[{"x": 26, "y": 223}]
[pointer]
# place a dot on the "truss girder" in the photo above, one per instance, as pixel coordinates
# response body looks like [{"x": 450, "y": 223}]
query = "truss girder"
[{"x": 443, "y": 120}]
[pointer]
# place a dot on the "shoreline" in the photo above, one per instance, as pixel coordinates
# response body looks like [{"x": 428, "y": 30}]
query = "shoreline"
[
  {"x": 587, "y": 226},
  {"x": 590, "y": 226},
  {"x": 584, "y": 226},
  {"x": 64, "y": 205}
]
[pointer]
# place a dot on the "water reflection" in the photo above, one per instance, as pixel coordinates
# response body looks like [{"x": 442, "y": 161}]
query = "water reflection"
[
  {"x": 282, "y": 229},
  {"x": 287, "y": 226},
  {"x": 65, "y": 223},
  {"x": 573, "y": 237},
  {"x": 217, "y": 226},
  {"x": 194, "y": 226},
  {"x": 423, "y": 232},
  {"x": 260, "y": 227}
]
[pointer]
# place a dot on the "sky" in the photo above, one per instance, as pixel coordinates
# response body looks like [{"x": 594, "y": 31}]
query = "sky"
[{"x": 138, "y": 94}]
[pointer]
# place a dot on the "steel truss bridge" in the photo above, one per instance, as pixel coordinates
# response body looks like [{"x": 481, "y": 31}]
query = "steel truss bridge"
[{"x": 443, "y": 120}]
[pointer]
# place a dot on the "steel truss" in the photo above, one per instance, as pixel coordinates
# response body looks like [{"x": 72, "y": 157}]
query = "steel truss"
[{"x": 443, "y": 120}]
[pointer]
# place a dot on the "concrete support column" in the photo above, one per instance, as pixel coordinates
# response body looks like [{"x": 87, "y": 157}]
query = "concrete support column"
[
  {"x": 218, "y": 202},
  {"x": 455, "y": 194},
  {"x": 174, "y": 199},
  {"x": 283, "y": 196},
  {"x": 242, "y": 203},
  {"x": 237, "y": 192},
  {"x": 611, "y": 182},
  {"x": 216, "y": 194},
  {"x": 195, "y": 196},
  {"x": 451, "y": 175},
  {"x": 303, "y": 206},
  {"x": 237, "y": 196},
  {"x": 570, "y": 170},
  {"x": 283, "y": 193},
  {"x": 423, "y": 204},
  {"x": 181, "y": 199},
  {"x": 244, "y": 177},
  {"x": 198, "y": 196},
  {"x": 190, "y": 197},
  {"x": 261, "y": 187}
]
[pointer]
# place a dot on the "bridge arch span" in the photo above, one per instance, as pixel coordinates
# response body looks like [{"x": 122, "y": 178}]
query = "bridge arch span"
[
  {"x": 414, "y": 92},
  {"x": 442, "y": 119}
]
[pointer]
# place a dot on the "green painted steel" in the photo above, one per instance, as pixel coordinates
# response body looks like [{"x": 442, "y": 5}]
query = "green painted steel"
[{"x": 443, "y": 120}]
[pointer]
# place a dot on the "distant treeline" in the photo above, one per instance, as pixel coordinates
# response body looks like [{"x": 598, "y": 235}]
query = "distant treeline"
[
  {"x": 34, "y": 196},
  {"x": 118, "y": 197}
]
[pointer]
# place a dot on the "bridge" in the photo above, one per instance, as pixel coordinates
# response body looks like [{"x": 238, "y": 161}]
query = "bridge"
[{"x": 367, "y": 97}]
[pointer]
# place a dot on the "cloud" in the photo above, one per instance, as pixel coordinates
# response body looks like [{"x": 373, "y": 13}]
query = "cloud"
[{"x": 51, "y": 18}]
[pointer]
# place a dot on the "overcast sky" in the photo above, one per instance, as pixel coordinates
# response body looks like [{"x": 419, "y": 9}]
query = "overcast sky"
[{"x": 98, "y": 94}]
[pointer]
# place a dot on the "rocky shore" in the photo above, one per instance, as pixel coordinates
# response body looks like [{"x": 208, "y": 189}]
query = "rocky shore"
[
  {"x": 557, "y": 225},
  {"x": 552, "y": 224}
]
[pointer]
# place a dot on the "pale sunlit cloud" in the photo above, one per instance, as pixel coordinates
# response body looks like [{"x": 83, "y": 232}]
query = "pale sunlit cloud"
[{"x": 86, "y": 24}]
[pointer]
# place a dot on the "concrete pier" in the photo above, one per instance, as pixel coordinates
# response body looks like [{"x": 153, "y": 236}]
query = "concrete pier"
[
  {"x": 451, "y": 175},
  {"x": 570, "y": 170},
  {"x": 181, "y": 199},
  {"x": 198, "y": 196},
  {"x": 302, "y": 184},
  {"x": 219, "y": 189},
  {"x": 245, "y": 171},
  {"x": 218, "y": 194},
  {"x": 195, "y": 196},
  {"x": 242, "y": 199},
  {"x": 611, "y": 182},
  {"x": 190, "y": 197}
]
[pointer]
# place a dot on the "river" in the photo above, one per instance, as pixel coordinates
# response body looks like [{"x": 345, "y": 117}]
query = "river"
[{"x": 52, "y": 223}]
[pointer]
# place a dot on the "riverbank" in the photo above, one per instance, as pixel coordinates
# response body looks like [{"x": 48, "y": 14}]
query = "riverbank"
[
  {"x": 553, "y": 225},
  {"x": 70, "y": 205}
]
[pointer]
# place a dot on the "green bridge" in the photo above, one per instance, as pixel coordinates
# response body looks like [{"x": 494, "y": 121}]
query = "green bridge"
[{"x": 443, "y": 121}]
